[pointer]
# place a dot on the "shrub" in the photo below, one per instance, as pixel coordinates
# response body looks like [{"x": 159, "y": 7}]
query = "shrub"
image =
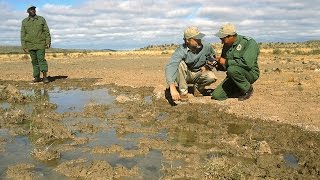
[
  {"x": 298, "y": 52},
  {"x": 315, "y": 51},
  {"x": 25, "y": 57},
  {"x": 164, "y": 52},
  {"x": 276, "y": 51}
]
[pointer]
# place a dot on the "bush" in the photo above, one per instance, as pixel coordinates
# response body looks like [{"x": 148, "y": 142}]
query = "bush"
[
  {"x": 25, "y": 57},
  {"x": 164, "y": 52},
  {"x": 276, "y": 51},
  {"x": 315, "y": 51}
]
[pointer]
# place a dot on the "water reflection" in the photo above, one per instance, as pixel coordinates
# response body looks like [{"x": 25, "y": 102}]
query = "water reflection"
[{"x": 41, "y": 95}]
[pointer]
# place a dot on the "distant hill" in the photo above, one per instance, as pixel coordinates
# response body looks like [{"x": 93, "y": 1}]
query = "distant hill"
[
  {"x": 307, "y": 44},
  {"x": 313, "y": 44},
  {"x": 161, "y": 47}
]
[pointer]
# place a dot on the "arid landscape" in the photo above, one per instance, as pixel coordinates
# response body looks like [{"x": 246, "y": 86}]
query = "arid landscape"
[{"x": 104, "y": 114}]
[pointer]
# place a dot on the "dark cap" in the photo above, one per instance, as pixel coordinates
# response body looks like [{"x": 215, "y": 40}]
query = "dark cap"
[{"x": 31, "y": 7}]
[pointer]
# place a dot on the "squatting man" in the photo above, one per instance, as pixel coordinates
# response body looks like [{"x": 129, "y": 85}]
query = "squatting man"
[
  {"x": 239, "y": 59},
  {"x": 188, "y": 66}
]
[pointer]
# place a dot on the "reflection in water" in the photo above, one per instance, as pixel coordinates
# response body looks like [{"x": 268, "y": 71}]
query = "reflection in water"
[
  {"x": 75, "y": 100},
  {"x": 41, "y": 99},
  {"x": 41, "y": 95}
]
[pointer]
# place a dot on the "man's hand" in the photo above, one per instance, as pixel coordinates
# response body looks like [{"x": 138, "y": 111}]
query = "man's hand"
[
  {"x": 204, "y": 68},
  {"x": 174, "y": 92},
  {"x": 222, "y": 61},
  {"x": 25, "y": 50}
]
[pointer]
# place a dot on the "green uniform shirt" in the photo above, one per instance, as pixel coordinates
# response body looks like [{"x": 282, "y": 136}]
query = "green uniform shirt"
[
  {"x": 35, "y": 33},
  {"x": 194, "y": 61},
  {"x": 243, "y": 53}
]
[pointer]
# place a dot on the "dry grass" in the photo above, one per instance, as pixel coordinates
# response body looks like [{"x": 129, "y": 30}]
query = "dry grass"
[{"x": 14, "y": 53}]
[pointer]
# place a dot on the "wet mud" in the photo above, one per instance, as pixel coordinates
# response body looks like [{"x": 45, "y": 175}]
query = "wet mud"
[{"x": 71, "y": 128}]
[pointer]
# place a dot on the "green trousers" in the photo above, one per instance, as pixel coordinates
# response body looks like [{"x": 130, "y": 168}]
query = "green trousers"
[
  {"x": 38, "y": 61},
  {"x": 238, "y": 81}
]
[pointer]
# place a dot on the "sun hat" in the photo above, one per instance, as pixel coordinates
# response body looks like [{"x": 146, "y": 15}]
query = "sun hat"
[
  {"x": 226, "y": 30},
  {"x": 193, "y": 32}
]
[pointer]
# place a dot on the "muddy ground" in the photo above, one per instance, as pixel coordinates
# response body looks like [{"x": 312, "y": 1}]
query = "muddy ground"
[{"x": 128, "y": 130}]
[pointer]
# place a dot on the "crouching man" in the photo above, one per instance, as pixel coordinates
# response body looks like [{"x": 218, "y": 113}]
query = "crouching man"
[
  {"x": 188, "y": 66},
  {"x": 239, "y": 58}
]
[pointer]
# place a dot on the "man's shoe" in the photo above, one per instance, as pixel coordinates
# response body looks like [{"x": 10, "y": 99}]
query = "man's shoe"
[
  {"x": 196, "y": 92},
  {"x": 36, "y": 79},
  {"x": 246, "y": 95},
  {"x": 184, "y": 98},
  {"x": 45, "y": 80}
]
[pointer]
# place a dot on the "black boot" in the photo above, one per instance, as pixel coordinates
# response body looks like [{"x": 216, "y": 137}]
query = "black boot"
[
  {"x": 45, "y": 79},
  {"x": 246, "y": 95},
  {"x": 36, "y": 79}
]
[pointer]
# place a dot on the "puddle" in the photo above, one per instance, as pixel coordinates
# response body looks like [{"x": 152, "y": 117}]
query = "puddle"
[
  {"x": 18, "y": 150},
  {"x": 149, "y": 140},
  {"x": 5, "y": 105},
  {"x": 291, "y": 160},
  {"x": 148, "y": 99},
  {"x": 162, "y": 116},
  {"x": 72, "y": 100}
]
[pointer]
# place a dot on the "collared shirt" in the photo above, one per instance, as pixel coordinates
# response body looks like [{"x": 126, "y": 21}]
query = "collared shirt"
[
  {"x": 35, "y": 33},
  {"x": 193, "y": 60},
  {"x": 244, "y": 53}
]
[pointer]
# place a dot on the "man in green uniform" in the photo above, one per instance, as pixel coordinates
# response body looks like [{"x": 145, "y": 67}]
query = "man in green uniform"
[
  {"x": 239, "y": 58},
  {"x": 188, "y": 66},
  {"x": 35, "y": 38}
]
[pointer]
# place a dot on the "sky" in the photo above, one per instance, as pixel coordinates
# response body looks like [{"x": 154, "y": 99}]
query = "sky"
[{"x": 133, "y": 24}]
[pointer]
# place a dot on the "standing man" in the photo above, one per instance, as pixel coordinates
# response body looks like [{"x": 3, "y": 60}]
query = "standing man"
[
  {"x": 35, "y": 38},
  {"x": 239, "y": 58},
  {"x": 188, "y": 66}
]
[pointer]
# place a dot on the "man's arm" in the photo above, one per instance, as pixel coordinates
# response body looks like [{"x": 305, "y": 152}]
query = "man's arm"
[
  {"x": 248, "y": 58},
  {"x": 46, "y": 31},
  {"x": 174, "y": 92},
  {"x": 172, "y": 72},
  {"x": 22, "y": 38}
]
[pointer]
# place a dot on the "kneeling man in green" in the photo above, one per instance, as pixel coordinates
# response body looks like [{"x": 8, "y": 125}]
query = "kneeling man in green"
[
  {"x": 239, "y": 58},
  {"x": 35, "y": 37}
]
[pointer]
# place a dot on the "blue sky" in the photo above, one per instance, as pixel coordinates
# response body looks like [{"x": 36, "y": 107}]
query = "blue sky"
[
  {"x": 21, "y": 5},
  {"x": 121, "y": 24}
]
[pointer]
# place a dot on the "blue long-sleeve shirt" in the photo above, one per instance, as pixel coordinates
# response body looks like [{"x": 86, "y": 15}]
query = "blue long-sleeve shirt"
[{"x": 193, "y": 60}]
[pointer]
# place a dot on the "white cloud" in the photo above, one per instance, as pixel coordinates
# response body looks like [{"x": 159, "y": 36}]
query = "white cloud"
[{"x": 131, "y": 24}]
